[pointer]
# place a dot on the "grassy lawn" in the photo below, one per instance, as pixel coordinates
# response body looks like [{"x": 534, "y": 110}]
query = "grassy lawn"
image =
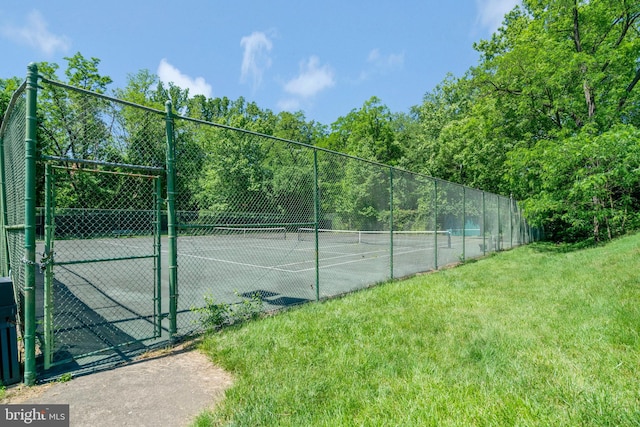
[{"x": 533, "y": 336}]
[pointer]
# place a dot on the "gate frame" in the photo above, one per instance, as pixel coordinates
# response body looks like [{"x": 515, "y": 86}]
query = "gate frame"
[{"x": 48, "y": 257}]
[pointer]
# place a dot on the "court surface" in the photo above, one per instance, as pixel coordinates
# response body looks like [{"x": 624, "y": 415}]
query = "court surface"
[{"x": 106, "y": 295}]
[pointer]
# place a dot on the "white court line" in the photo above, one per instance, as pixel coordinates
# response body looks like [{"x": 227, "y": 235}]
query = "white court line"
[
  {"x": 334, "y": 257},
  {"x": 295, "y": 248},
  {"x": 356, "y": 260},
  {"x": 276, "y": 268},
  {"x": 239, "y": 263}
]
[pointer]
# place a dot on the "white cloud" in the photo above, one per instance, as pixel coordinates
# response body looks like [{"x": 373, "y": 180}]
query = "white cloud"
[
  {"x": 491, "y": 12},
  {"x": 36, "y": 34},
  {"x": 393, "y": 60},
  {"x": 312, "y": 79},
  {"x": 255, "y": 59},
  {"x": 382, "y": 64},
  {"x": 170, "y": 74}
]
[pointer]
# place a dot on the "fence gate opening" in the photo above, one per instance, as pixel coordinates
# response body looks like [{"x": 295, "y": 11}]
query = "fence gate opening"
[{"x": 100, "y": 265}]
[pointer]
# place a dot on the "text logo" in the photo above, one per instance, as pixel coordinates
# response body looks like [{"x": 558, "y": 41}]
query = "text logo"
[{"x": 34, "y": 415}]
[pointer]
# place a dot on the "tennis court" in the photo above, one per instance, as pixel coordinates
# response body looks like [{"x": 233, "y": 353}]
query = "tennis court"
[
  {"x": 116, "y": 301},
  {"x": 281, "y": 264}
]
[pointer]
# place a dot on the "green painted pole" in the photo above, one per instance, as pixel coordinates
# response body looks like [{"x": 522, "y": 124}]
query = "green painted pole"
[
  {"x": 49, "y": 204},
  {"x": 171, "y": 224},
  {"x": 29, "y": 260},
  {"x": 484, "y": 226},
  {"x": 391, "y": 223},
  {"x": 435, "y": 232},
  {"x": 499, "y": 240},
  {"x": 316, "y": 214},
  {"x": 464, "y": 223},
  {"x": 511, "y": 220}
]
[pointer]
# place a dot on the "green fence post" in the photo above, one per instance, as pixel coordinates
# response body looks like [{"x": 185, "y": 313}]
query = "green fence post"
[
  {"x": 171, "y": 224},
  {"x": 435, "y": 231},
  {"x": 316, "y": 214},
  {"x": 49, "y": 204},
  {"x": 511, "y": 220},
  {"x": 29, "y": 227},
  {"x": 464, "y": 222},
  {"x": 484, "y": 226},
  {"x": 499, "y": 241},
  {"x": 391, "y": 222}
]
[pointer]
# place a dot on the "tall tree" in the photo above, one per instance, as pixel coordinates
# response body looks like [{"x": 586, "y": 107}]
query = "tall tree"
[
  {"x": 370, "y": 132},
  {"x": 565, "y": 73},
  {"x": 566, "y": 64}
]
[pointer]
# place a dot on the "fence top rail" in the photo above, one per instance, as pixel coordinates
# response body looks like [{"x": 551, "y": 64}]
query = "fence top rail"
[{"x": 100, "y": 95}]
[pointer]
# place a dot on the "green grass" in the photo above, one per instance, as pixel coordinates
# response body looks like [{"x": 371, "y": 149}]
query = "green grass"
[{"x": 534, "y": 336}]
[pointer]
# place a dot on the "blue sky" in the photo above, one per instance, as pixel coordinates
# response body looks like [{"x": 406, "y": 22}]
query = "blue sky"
[{"x": 324, "y": 58}]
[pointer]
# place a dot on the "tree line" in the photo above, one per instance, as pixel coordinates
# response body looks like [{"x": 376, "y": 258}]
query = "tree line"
[{"x": 549, "y": 115}]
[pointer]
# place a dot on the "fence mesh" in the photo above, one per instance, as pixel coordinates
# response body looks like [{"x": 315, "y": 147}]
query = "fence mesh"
[
  {"x": 12, "y": 193},
  {"x": 474, "y": 235},
  {"x": 256, "y": 218},
  {"x": 414, "y": 214},
  {"x": 103, "y": 248},
  {"x": 241, "y": 201},
  {"x": 104, "y": 256}
]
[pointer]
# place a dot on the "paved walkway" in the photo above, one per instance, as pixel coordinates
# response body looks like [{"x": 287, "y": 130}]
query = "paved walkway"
[{"x": 166, "y": 390}]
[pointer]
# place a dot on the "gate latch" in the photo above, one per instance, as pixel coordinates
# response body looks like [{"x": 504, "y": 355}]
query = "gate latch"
[{"x": 47, "y": 258}]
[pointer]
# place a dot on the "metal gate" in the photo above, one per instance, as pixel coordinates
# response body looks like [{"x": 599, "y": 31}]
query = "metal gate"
[{"x": 100, "y": 269}]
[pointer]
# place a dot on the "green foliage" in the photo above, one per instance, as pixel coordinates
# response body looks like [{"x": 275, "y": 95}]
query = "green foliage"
[
  {"x": 587, "y": 185},
  {"x": 7, "y": 87},
  {"x": 248, "y": 309},
  {"x": 83, "y": 73},
  {"x": 372, "y": 133},
  {"x": 215, "y": 315},
  {"x": 65, "y": 378},
  {"x": 537, "y": 118}
]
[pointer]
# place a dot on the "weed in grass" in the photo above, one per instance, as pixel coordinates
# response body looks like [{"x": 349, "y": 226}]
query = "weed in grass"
[
  {"x": 214, "y": 315},
  {"x": 66, "y": 377},
  {"x": 248, "y": 309},
  {"x": 204, "y": 419}
]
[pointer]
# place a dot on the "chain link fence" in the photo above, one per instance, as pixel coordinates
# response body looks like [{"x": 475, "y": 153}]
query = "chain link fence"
[
  {"x": 147, "y": 216},
  {"x": 12, "y": 137}
]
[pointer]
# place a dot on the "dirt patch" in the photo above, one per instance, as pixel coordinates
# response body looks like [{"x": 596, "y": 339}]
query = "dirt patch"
[{"x": 167, "y": 387}]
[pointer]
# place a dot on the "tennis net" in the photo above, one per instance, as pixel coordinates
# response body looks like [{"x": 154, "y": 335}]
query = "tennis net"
[
  {"x": 400, "y": 238},
  {"x": 276, "y": 233}
]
